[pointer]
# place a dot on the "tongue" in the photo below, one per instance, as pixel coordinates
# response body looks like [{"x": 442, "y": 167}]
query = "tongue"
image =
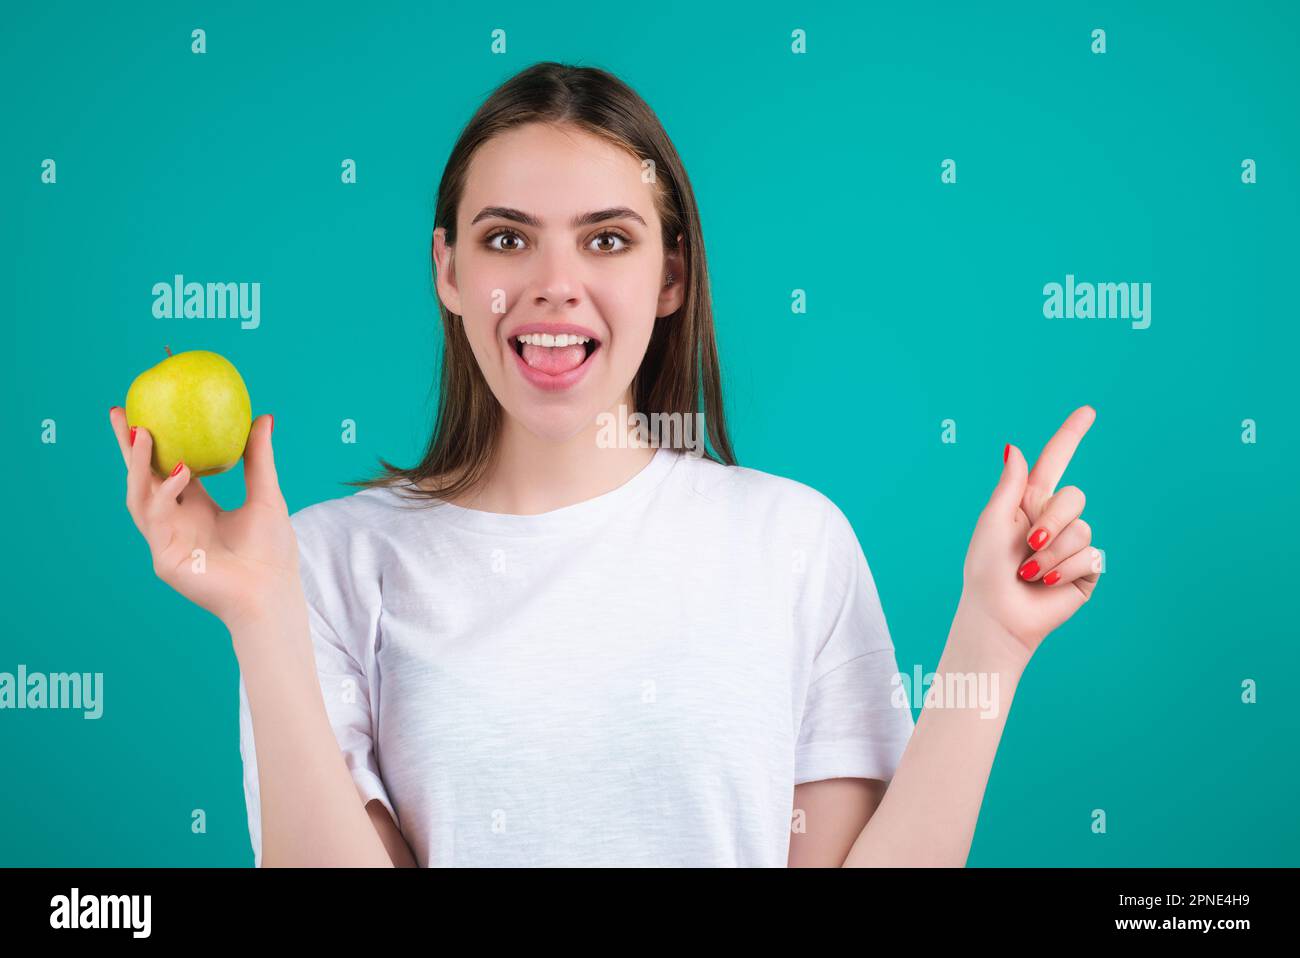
[{"x": 554, "y": 360}]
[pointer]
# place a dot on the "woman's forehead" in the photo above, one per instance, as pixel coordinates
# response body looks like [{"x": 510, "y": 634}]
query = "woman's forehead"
[{"x": 554, "y": 176}]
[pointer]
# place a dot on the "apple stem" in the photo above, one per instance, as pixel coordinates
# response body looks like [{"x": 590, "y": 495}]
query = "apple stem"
[{"x": 169, "y": 350}]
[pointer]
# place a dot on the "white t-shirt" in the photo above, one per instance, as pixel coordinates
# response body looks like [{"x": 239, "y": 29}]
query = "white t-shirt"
[{"x": 640, "y": 679}]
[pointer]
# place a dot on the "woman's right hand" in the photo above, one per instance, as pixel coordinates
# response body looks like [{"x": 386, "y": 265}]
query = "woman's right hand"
[{"x": 236, "y": 564}]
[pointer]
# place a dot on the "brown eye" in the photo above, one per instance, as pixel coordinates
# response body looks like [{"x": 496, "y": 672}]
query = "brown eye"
[
  {"x": 487, "y": 241},
  {"x": 611, "y": 235}
]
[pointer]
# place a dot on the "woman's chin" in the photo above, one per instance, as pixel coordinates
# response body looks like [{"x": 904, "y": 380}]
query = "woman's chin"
[{"x": 557, "y": 424}]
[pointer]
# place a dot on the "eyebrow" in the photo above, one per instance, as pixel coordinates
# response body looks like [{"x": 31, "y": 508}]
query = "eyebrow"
[{"x": 578, "y": 222}]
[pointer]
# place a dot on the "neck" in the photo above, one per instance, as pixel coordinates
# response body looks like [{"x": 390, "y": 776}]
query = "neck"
[{"x": 531, "y": 475}]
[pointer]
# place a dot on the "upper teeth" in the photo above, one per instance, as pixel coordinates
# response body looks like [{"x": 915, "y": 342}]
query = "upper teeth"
[{"x": 546, "y": 339}]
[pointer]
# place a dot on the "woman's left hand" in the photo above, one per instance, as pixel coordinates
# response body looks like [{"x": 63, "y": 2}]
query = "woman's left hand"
[{"x": 1031, "y": 564}]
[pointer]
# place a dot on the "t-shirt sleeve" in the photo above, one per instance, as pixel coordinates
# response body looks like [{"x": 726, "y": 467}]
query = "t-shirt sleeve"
[
  {"x": 339, "y": 621},
  {"x": 854, "y": 725}
]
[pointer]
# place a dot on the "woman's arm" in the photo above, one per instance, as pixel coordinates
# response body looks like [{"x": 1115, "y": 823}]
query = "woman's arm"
[
  {"x": 928, "y": 814},
  {"x": 829, "y": 815},
  {"x": 312, "y": 813},
  {"x": 1009, "y": 604},
  {"x": 398, "y": 850}
]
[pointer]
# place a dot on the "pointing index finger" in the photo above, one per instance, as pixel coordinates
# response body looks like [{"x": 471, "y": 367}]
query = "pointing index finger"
[{"x": 1056, "y": 455}]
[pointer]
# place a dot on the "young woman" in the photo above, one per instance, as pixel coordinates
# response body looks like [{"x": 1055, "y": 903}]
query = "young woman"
[{"x": 564, "y": 638}]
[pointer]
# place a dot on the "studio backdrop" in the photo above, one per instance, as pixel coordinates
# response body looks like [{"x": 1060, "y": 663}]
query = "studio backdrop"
[{"x": 931, "y": 230}]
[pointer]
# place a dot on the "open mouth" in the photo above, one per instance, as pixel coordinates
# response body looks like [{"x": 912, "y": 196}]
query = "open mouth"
[{"x": 554, "y": 355}]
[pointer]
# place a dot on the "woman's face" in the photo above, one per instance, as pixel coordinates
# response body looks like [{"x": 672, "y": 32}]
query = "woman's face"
[{"x": 557, "y": 236}]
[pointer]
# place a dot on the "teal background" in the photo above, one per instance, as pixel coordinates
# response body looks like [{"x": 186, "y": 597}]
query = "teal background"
[{"x": 818, "y": 172}]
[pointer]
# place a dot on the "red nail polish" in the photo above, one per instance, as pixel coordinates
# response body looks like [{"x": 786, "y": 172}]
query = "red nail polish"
[
  {"x": 272, "y": 432},
  {"x": 110, "y": 410},
  {"x": 1006, "y": 452},
  {"x": 1038, "y": 539},
  {"x": 1029, "y": 569},
  {"x": 177, "y": 468},
  {"x": 133, "y": 435},
  {"x": 1051, "y": 577}
]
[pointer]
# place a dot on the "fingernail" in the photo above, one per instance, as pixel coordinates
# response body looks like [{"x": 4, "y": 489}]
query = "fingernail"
[
  {"x": 1051, "y": 577},
  {"x": 272, "y": 424},
  {"x": 1029, "y": 569},
  {"x": 133, "y": 435},
  {"x": 180, "y": 464},
  {"x": 1037, "y": 539},
  {"x": 1006, "y": 452},
  {"x": 110, "y": 410}
]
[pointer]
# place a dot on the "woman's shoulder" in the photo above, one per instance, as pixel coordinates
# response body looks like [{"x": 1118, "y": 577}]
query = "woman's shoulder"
[
  {"x": 372, "y": 508},
  {"x": 757, "y": 490}
]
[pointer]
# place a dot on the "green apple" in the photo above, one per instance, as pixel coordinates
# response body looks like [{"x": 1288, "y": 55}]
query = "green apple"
[{"x": 196, "y": 407}]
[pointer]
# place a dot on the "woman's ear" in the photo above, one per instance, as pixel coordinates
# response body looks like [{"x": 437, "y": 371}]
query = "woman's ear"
[
  {"x": 673, "y": 293},
  {"x": 444, "y": 265}
]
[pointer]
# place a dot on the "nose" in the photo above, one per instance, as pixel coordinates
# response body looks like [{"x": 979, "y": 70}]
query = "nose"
[{"x": 557, "y": 283}]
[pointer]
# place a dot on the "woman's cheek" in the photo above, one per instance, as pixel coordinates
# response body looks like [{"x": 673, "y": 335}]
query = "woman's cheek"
[{"x": 489, "y": 297}]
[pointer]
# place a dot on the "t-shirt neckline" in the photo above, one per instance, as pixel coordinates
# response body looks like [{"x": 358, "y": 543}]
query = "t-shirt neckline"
[{"x": 563, "y": 520}]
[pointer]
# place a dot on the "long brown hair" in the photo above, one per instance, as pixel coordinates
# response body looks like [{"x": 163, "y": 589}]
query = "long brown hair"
[{"x": 679, "y": 373}]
